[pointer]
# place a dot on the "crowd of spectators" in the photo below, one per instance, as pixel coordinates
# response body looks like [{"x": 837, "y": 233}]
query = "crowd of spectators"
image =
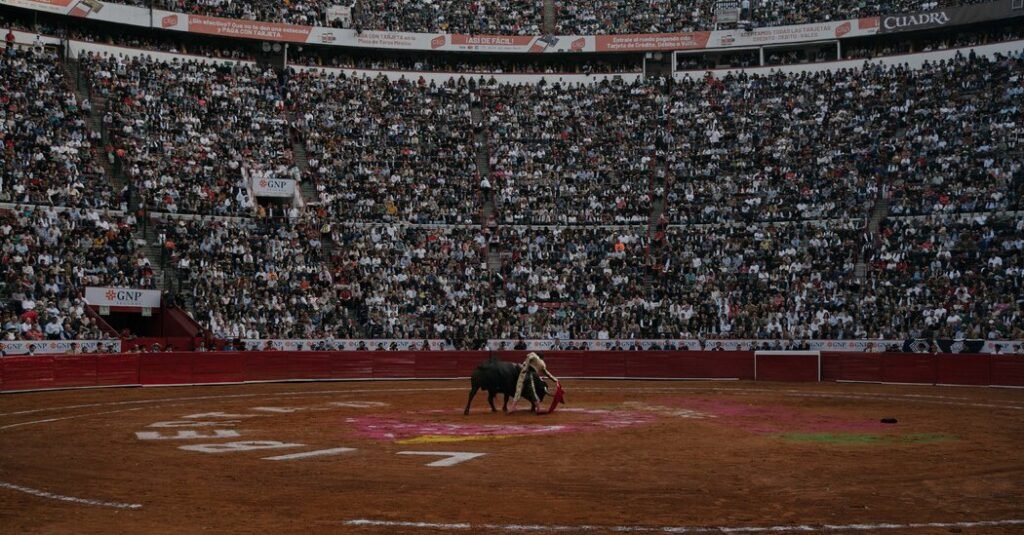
[
  {"x": 765, "y": 183},
  {"x": 960, "y": 148},
  {"x": 501, "y": 17},
  {"x": 785, "y": 281},
  {"x": 192, "y": 136},
  {"x": 575, "y": 154},
  {"x": 812, "y": 146},
  {"x": 49, "y": 152},
  {"x": 382, "y": 151},
  {"x": 302, "y": 12},
  {"x": 418, "y": 282},
  {"x": 47, "y": 259},
  {"x": 250, "y": 278},
  {"x": 524, "y": 17},
  {"x": 950, "y": 276}
]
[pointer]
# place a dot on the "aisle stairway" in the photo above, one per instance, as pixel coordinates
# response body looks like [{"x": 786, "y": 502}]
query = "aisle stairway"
[
  {"x": 548, "y": 24},
  {"x": 309, "y": 194},
  {"x": 98, "y": 107},
  {"x": 878, "y": 214}
]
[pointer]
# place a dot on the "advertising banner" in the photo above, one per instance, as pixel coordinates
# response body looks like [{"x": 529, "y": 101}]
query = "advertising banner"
[
  {"x": 651, "y": 41},
  {"x": 338, "y": 13},
  {"x": 345, "y": 345},
  {"x": 690, "y": 345},
  {"x": 273, "y": 187},
  {"x": 949, "y": 16},
  {"x": 122, "y": 297},
  {"x": 248, "y": 29},
  {"x": 58, "y": 347},
  {"x": 774, "y": 35}
]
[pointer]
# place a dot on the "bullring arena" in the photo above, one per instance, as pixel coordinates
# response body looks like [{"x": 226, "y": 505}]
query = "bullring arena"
[{"x": 723, "y": 454}]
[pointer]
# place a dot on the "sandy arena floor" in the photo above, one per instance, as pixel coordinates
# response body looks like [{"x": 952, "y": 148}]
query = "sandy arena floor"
[{"x": 681, "y": 457}]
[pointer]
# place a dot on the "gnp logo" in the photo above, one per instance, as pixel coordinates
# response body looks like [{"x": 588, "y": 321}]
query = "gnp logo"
[
  {"x": 438, "y": 41},
  {"x": 843, "y": 29},
  {"x": 273, "y": 184},
  {"x": 169, "y": 21},
  {"x": 939, "y": 18},
  {"x": 123, "y": 295}
]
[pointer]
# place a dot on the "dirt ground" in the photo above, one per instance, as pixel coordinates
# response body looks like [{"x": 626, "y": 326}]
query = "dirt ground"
[{"x": 631, "y": 456}]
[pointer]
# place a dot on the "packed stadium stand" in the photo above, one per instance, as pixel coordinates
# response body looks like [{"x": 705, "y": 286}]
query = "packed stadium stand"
[
  {"x": 526, "y": 17},
  {"x": 51, "y": 156},
  {"x": 381, "y": 151},
  {"x": 876, "y": 202},
  {"x": 192, "y": 132},
  {"x": 51, "y": 255}
]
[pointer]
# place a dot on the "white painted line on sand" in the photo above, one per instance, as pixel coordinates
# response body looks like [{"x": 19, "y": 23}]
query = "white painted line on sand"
[
  {"x": 71, "y": 499},
  {"x": 237, "y": 396},
  {"x": 307, "y": 454},
  {"x": 835, "y": 528},
  {"x": 453, "y": 457},
  {"x": 48, "y": 420}
]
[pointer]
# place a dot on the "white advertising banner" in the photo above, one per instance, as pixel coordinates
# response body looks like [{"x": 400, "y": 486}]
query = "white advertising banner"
[
  {"x": 599, "y": 345},
  {"x": 777, "y": 35},
  {"x": 346, "y": 345},
  {"x": 689, "y": 345},
  {"x": 339, "y": 13},
  {"x": 58, "y": 347},
  {"x": 273, "y": 187},
  {"x": 122, "y": 297}
]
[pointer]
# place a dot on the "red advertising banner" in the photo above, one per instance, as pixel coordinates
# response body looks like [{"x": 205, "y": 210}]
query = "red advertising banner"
[
  {"x": 868, "y": 23},
  {"x": 651, "y": 41},
  {"x": 248, "y": 29},
  {"x": 60, "y": 3},
  {"x": 487, "y": 41}
]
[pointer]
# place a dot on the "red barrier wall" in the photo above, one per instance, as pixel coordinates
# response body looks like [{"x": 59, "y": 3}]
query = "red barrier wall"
[
  {"x": 908, "y": 368},
  {"x": 964, "y": 369},
  {"x": 789, "y": 368},
  {"x": 854, "y": 367},
  {"x": 1008, "y": 370},
  {"x": 26, "y": 373},
  {"x": 120, "y": 369},
  {"x": 41, "y": 372}
]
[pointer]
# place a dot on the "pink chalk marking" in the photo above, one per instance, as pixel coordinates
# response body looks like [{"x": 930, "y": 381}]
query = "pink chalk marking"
[
  {"x": 392, "y": 428},
  {"x": 767, "y": 419}
]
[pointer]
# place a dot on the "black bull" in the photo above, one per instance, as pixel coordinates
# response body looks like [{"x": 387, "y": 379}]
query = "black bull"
[{"x": 496, "y": 376}]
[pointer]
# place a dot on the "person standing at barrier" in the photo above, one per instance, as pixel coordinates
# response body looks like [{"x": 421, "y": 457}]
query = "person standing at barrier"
[{"x": 534, "y": 361}]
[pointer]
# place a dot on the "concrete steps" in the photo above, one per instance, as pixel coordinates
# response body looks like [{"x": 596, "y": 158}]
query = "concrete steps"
[
  {"x": 493, "y": 260},
  {"x": 483, "y": 162},
  {"x": 309, "y": 194},
  {"x": 153, "y": 250},
  {"x": 488, "y": 212},
  {"x": 98, "y": 106},
  {"x": 878, "y": 214},
  {"x": 301, "y": 157},
  {"x": 549, "y": 21}
]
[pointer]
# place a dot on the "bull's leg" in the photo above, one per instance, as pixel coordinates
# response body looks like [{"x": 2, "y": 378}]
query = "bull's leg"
[
  {"x": 472, "y": 392},
  {"x": 490, "y": 400},
  {"x": 504, "y": 407}
]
